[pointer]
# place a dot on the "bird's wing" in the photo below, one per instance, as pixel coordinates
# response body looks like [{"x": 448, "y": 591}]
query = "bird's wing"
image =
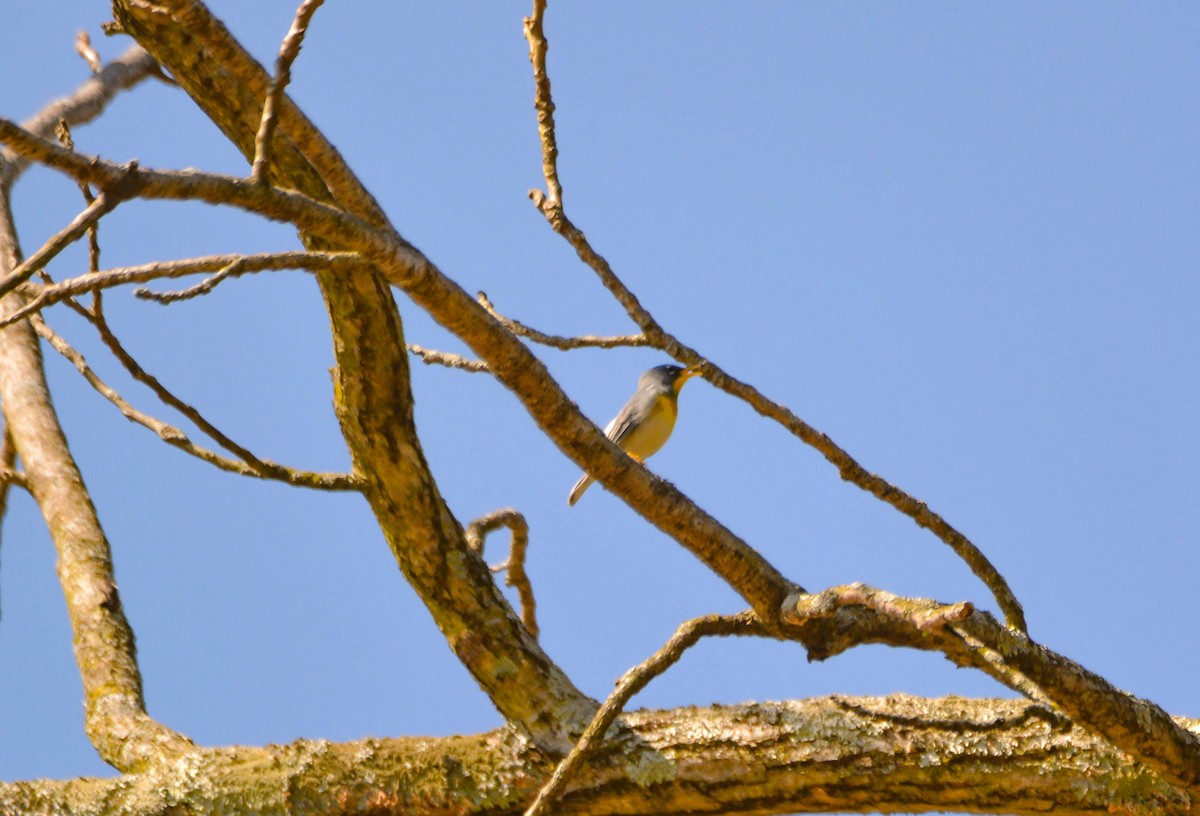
[{"x": 622, "y": 422}]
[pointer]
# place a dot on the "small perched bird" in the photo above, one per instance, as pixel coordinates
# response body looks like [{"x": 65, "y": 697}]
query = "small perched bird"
[{"x": 645, "y": 423}]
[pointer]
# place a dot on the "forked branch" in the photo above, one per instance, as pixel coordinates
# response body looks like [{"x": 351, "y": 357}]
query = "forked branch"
[{"x": 840, "y": 618}]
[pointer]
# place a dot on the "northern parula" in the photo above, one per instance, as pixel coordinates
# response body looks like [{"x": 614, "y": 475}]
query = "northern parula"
[{"x": 645, "y": 423}]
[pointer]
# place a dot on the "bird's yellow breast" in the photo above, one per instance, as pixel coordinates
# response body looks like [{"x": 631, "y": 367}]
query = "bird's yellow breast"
[{"x": 652, "y": 433}]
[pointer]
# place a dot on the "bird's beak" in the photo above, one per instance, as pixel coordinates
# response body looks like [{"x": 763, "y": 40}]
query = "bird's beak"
[{"x": 687, "y": 374}]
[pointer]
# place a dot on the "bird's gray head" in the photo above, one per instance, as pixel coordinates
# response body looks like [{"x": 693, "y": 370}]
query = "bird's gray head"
[{"x": 666, "y": 377}]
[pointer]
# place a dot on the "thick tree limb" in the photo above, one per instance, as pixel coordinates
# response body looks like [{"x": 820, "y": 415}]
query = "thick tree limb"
[
  {"x": 888, "y": 754},
  {"x": 115, "y": 714},
  {"x": 840, "y": 618},
  {"x": 372, "y": 397}
]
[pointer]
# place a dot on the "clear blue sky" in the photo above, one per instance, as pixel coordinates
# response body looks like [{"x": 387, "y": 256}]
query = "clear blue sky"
[{"x": 962, "y": 239}]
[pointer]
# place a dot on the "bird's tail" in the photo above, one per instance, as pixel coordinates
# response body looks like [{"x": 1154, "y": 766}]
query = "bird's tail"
[{"x": 583, "y": 484}]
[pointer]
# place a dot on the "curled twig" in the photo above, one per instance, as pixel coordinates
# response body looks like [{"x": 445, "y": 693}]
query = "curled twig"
[
  {"x": 289, "y": 49},
  {"x": 633, "y": 681},
  {"x": 477, "y": 532},
  {"x": 558, "y": 341}
]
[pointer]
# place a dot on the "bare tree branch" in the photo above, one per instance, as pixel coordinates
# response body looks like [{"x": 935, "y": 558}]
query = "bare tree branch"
[
  {"x": 262, "y": 469},
  {"x": 543, "y": 102},
  {"x": 288, "y": 51},
  {"x": 448, "y": 359},
  {"x": 853, "y": 755},
  {"x": 84, "y": 105},
  {"x": 477, "y": 532},
  {"x": 101, "y": 206},
  {"x": 233, "y": 270},
  {"x": 108, "y": 278},
  {"x": 557, "y": 341},
  {"x": 373, "y": 399},
  {"x": 83, "y": 47}
]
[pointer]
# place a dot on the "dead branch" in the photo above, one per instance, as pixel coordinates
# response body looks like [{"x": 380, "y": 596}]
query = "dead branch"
[
  {"x": 448, "y": 359},
  {"x": 46, "y": 296},
  {"x": 558, "y": 341},
  {"x": 478, "y": 531},
  {"x": 84, "y": 105},
  {"x": 289, "y": 49},
  {"x": 177, "y": 438},
  {"x": 233, "y": 270},
  {"x": 868, "y": 754},
  {"x": 99, "y": 207}
]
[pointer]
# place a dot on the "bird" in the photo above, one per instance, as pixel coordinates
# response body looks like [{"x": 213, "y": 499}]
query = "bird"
[{"x": 645, "y": 423}]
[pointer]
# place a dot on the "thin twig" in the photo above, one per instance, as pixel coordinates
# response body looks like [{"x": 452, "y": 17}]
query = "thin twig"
[
  {"x": 120, "y": 276},
  {"x": 63, "y": 132},
  {"x": 633, "y": 681},
  {"x": 97, "y": 209},
  {"x": 550, "y": 204},
  {"x": 262, "y": 467},
  {"x": 82, "y": 106},
  {"x": 477, "y": 532},
  {"x": 543, "y": 102},
  {"x": 1000, "y": 667},
  {"x": 448, "y": 359},
  {"x": 558, "y": 341},
  {"x": 289, "y": 49},
  {"x": 83, "y": 47},
  {"x": 205, "y": 286},
  {"x": 177, "y": 438}
]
